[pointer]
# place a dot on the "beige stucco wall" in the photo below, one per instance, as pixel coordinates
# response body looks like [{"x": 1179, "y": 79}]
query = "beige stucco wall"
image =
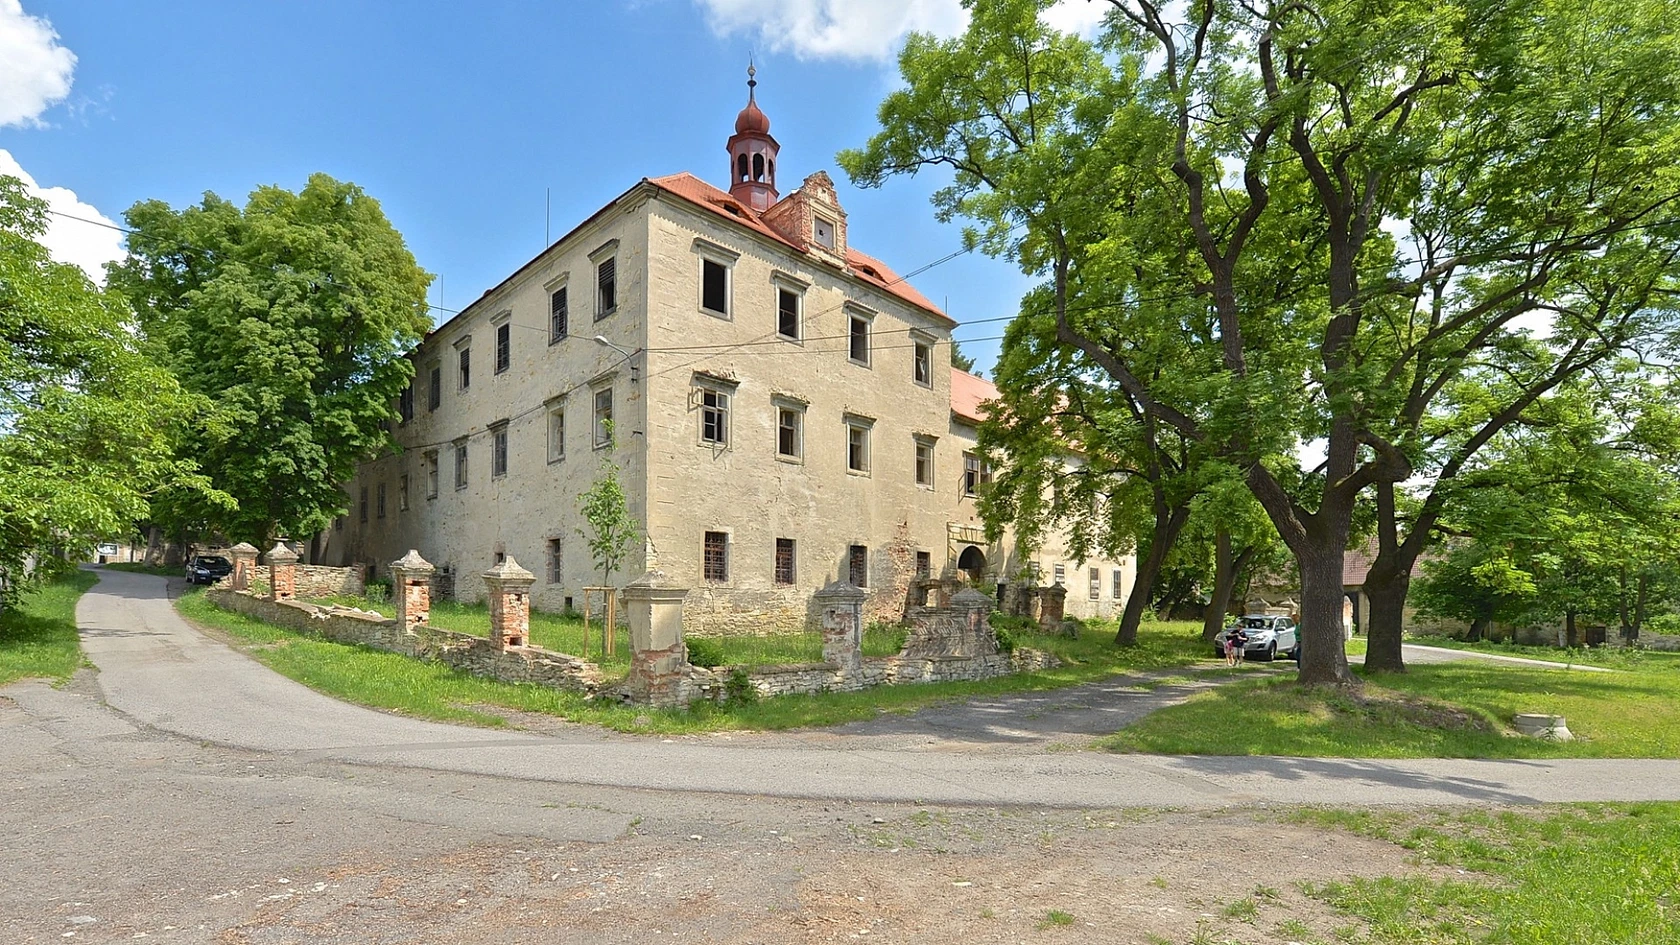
[{"x": 678, "y": 487}]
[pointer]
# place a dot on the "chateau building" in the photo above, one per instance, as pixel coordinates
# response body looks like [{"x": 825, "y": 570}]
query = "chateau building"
[{"x": 781, "y": 407}]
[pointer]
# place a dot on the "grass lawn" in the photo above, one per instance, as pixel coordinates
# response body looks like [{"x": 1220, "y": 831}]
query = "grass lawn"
[
  {"x": 137, "y": 567},
  {"x": 1600, "y": 873},
  {"x": 431, "y": 690},
  {"x": 38, "y": 634},
  {"x": 1442, "y": 710}
]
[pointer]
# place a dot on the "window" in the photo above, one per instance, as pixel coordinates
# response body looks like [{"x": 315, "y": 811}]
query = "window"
[
  {"x": 714, "y": 287},
  {"x": 714, "y": 417},
  {"x": 603, "y": 417},
  {"x": 784, "y": 561},
  {"x": 431, "y": 474},
  {"x": 1060, "y": 573},
  {"x": 555, "y": 562},
  {"x": 716, "y": 563},
  {"x": 860, "y": 340},
  {"x": 379, "y": 506},
  {"x": 557, "y": 432},
  {"x": 921, "y": 364},
  {"x": 606, "y": 287},
  {"x": 1116, "y": 591},
  {"x": 465, "y": 374},
  {"x": 976, "y": 473},
  {"x": 498, "y": 450},
  {"x": 434, "y": 397},
  {"x": 361, "y": 514},
  {"x": 924, "y": 463},
  {"x": 461, "y": 464},
  {"x": 790, "y": 423},
  {"x": 823, "y": 231},
  {"x": 924, "y": 564},
  {"x": 787, "y": 314},
  {"x": 504, "y": 346},
  {"x": 402, "y": 493},
  {"x": 857, "y": 565},
  {"x": 557, "y": 315},
  {"x": 857, "y": 446},
  {"x": 405, "y": 404},
  {"x": 1096, "y": 584}
]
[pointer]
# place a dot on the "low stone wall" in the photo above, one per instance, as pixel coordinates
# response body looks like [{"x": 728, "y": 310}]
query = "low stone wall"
[
  {"x": 316, "y": 581},
  {"x": 807, "y": 678},
  {"x": 462, "y": 651}
]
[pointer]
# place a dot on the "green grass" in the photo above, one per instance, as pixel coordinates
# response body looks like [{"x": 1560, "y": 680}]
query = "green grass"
[
  {"x": 136, "y": 567},
  {"x": 430, "y": 690},
  {"x": 1447, "y": 710},
  {"x": 38, "y": 633},
  {"x": 1598, "y": 874}
]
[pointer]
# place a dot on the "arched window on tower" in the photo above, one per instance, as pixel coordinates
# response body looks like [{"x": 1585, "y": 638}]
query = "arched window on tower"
[
  {"x": 758, "y": 167},
  {"x": 771, "y": 164},
  {"x": 741, "y": 168}
]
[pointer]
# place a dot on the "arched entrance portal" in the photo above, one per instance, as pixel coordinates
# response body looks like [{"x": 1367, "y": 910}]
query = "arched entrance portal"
[{"x": 972, "y": 562}]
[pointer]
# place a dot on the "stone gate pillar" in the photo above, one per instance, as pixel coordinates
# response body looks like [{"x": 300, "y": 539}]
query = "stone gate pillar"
[
  {"x": 1052, "y": 605},
  {"x": 973, "y": 612},
  {"x": 244, "y": 558},
  {"x": 659, "y": 658},
  {"x": 509, "y": 587},
  {"x": 839, "y": 607},
  {"x": 411, "y": 583},
  {"x": 282, "y": 572}
]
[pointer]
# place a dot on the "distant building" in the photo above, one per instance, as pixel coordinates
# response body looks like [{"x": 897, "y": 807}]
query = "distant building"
[{"x": 784, "y": 407}]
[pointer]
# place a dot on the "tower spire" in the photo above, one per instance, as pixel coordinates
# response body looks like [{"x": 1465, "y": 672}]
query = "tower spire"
[{"x": 752, "y": 152}]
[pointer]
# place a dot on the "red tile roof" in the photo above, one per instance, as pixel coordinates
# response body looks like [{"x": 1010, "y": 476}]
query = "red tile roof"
[
  {"x": 866, "y": 268},
  {"x": 969, "y": 395}
]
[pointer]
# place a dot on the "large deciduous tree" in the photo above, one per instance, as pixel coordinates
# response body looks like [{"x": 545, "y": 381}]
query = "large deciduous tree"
[
  {"x": 293, "y": 314},
  {"x": 1363, "y": 200},
  {"x": 88, "y": 424}
]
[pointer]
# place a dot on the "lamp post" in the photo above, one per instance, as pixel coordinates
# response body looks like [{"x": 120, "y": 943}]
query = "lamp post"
[{"x": 629, "y": 357}]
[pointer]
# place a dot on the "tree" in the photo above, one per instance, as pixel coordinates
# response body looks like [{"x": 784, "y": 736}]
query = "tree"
[
  {"x": 612, "y": 531},
  {"x": 960, "y": 361},
  {"x": 293, "y": 315},
  {"x": 1219, "y": 195},
  {"x": 88, "y": 425}
]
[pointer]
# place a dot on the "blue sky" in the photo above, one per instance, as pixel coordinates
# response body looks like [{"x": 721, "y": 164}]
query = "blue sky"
[{"x": 457, "y": 116}]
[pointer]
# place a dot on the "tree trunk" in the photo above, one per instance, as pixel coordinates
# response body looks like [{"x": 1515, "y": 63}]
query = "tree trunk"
[
  {"x": 1224, "y": 579},
  {"x": 1386, "y": 590},
  {"x": 1641, "y": 603},
  {"x": 1168, "y": 522},
  {"x": 1571, "y": 633},
  {"x": 1478, "y": 627},
  {"x": 1323, "y": 643}
]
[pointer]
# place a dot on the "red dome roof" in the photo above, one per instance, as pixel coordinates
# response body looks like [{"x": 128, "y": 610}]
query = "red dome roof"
[{"x": 752, "y": 119}]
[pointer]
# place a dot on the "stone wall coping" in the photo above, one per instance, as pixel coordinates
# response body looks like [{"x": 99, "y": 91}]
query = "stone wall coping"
[
  {"x": 649, "y": 592},
  {"x": 413, "y": 564},
  {"x": 243, "y": 548},
  {"x": 652, "y": 577},
  {"x": 508, "y": 571},
  {"x": 280, "y": 554},
  {"x": 841, "y": 590}
]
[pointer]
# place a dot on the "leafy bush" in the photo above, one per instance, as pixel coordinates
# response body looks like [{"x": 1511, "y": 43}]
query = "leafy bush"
[
  {"x": 738, "y": 688},
  {"x": 1005, "y": 638},
  {"x": 703, "y": 652},
  {"x": 378, "y": 591}
]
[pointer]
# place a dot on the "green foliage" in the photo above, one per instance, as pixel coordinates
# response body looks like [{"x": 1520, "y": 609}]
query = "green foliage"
[
  {"x": 738, "y": 688},
  {"x": 960, "y": 361},
  {"x": 1582, "y": 873},
  {"x": 38, "y": 629},
  {"x": 88, "y": 424},
  {"x": 705, "y": 652},
  {"x": 613, "y": 531},
  {"x": 292, "y": 315}
]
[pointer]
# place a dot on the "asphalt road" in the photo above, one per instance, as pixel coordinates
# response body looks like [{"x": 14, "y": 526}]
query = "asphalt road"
[{"x": 161, "y": 674}]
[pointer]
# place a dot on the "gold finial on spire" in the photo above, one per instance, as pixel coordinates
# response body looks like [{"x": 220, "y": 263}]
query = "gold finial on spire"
[{"x": 752, "y": 83}]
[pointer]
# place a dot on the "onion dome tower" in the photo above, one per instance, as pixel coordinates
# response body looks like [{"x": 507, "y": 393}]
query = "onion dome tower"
[{"x": 752, "y": 154}]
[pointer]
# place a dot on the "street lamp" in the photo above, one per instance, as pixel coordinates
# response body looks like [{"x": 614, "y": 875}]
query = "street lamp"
[{"x": 629, "y": 356}]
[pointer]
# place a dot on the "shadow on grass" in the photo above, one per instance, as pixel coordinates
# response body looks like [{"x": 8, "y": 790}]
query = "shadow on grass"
[{"x": 38, "y": 633}]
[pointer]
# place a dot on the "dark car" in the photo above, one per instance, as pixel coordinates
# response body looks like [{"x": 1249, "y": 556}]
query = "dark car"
[{"x": 208, "y": 569}]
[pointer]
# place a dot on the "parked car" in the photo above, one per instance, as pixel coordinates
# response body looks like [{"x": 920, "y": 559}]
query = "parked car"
[
  {"x": 1265, "y": 637},
  {"x": 208, "y": 569}
]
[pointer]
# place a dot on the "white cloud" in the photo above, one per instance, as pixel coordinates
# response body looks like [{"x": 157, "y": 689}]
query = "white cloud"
[
  {"x": 862, "y": 29},
  {"x": 35, "y": 70},
  {"x": 70, "y": 240}
]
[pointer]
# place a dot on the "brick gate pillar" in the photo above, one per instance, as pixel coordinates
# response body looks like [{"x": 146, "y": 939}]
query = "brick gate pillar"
[
  {"x": 509, "y": 587},
  {"x": 282, "y": 572},
  {"x": 1052, "y": 605},
  {"x": 659, "y": 658},
  {"x": 839, "y": 607},
  {"x": 244, "y": 562},
  {"x": 411, "y": 582}
]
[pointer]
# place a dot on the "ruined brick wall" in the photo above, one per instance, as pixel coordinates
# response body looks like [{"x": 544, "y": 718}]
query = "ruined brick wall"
[
  {"x": 462, "y": 651},
  {"x": 316, "y": 581}
]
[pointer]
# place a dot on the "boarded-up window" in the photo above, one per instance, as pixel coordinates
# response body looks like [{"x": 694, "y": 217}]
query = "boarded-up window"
[
  {"x": 557, "y": 315},
  {"x": 857, "y": 565},
  {"x": 716, "y": 563},
  {"x": 499, "y": 451},
  {"x": 1096, "y": 584},
  {"x": 606, "y": 288},
  {"x": 556, "y": 562},
  {"x": 924, "y": 564},
  {"x": 504, "y": 346},
  {"x": 784, "y": 561}
]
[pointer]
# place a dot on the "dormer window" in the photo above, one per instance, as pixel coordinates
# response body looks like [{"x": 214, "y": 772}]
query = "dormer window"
[{"x": 823, "y": 232}]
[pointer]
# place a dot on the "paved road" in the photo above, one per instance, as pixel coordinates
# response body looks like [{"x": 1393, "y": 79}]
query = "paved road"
[{"x": 161, "y": 673}]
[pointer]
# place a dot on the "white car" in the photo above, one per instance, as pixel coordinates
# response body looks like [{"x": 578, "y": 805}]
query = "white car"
[{"x": 1264, "y": 637}]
